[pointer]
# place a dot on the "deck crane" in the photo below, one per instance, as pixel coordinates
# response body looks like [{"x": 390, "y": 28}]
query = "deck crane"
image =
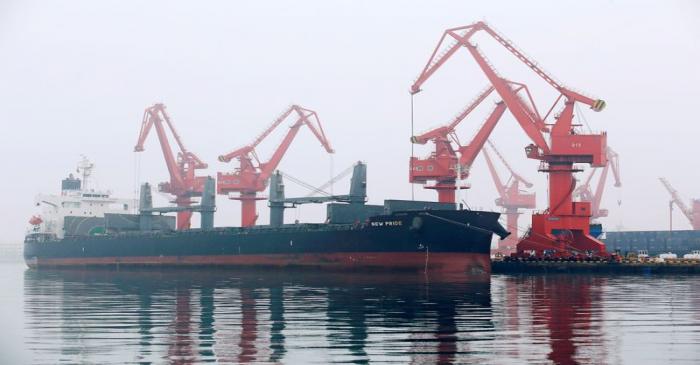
[
  {"x": 693, "y": 214},
  {"x": 252, "y": 175},
  {"x": 563, "y": 229},
  {"x": 441, "y": 165},
  {"x": 584, "y": 192},
  {"x": 510, "y": 197},
  {"x": 183, "y": 184}
]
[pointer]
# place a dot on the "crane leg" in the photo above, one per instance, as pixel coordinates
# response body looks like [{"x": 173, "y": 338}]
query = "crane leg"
[
  {"x": 248, "y": 209},
  {"x": 446, "y": 190},
  {"x": 184, "y": 217},
  {"x": 564, "y": 231},
  {"x": 446, "y": 195},
  {"x": 184, "y": 220}
]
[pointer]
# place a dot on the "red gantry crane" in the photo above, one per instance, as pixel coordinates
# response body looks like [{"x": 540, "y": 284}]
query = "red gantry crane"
[
  {"x": 510, "y": 197},
  {"x": 693, "y": 214},
  {"x": 563, "y": 229},
  {"x": 252, "y": 175},
  {"x": 183, "y": 184},
  {"x": 585, "y": 194}
]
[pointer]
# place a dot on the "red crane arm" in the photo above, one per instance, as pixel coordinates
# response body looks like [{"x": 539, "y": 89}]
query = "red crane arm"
[
  {"x": 494, "y": 175},
  {"x": 310, "y": 118},
  {"x": 570, "y": 94},
  {"x": 437, "y": 59},
  {"x": 272, "y": 126},
  {"x": 266, "y": 168},
  {"x": 614, "y": 161},
  {"x": 514, "y": 103},
  {"x": 434, "y": 62},
  {"x": 517, "y": 107},
  {"x": 598, "y": 196},
  {"x": 251, "y": 147},
  {"x": 305, "y": 118},
  {"x": 586, "y": 184},
  {"x": 584, "y": 193},
  {"x": 515, "y": 175},
  {"x": 152, "y": 116},
  {"x": 469, "y": 152},
  {"x": 529, "y": 120},
  {"x": 189, "y": 156},
  {"x": 236, "y": 153},
  {"x": 677, "y": 199},
  {"x": 443, "y": 131}
]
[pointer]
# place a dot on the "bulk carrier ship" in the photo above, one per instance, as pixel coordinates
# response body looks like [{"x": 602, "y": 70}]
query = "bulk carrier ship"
[{"x": 78, "y": 228}]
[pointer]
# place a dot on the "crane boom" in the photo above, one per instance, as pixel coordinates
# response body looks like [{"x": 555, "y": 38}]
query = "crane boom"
[
  {"x": 443, "y": 131},
  {"x": 151, "y": 117},
  {"x": 584, "y": 192},
  {"x": 471, "y": 150},
  {"x": 529, "y": 121},
  {"x": 438, "y": 59},
  {"x": 494, "y": 174},
  {"x": 676, "y": 197},
  {"x": 614, "y": 161},
  {"x": 505, "y": 163}
]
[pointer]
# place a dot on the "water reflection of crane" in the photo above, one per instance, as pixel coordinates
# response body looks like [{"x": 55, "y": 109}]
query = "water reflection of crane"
[
  {"x": 180, "y": 343},
  {"x": 564, "y": 305}
]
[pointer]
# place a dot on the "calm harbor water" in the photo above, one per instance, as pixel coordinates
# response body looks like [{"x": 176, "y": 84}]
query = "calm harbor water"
[{"x": 196, "y": 316}]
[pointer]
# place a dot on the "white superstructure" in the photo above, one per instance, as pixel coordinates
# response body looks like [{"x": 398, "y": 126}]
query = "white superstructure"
[{"x": 76, "y": 200}]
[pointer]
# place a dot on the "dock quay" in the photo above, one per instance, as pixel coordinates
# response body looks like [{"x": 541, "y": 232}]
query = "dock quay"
[{"x": 523, "y": 266}]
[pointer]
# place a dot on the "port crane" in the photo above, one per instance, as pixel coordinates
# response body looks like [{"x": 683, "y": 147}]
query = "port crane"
[
  {"x": 443, "y": 165},
  {"x": 584, "y": 193},
  {"x": 693, "y": 214},
  {"x": 252, "y": 175},
  {"x": 510, "y": 197},
  {"x": 183, "y": 184},
  {"x": 563, "y": 229}
]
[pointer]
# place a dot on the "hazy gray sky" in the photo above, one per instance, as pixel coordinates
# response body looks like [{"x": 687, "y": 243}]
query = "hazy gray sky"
[{"x": 75, "y": 77}]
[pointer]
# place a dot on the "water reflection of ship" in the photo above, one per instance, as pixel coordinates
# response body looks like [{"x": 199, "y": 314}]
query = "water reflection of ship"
[{"x": 242, "y": 318}]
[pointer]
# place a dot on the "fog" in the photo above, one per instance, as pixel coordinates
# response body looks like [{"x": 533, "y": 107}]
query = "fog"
[{"x": 75, "y": 77}]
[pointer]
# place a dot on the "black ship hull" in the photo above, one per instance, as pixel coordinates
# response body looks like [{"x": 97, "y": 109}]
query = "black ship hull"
[{"x": 454, "y": 241}]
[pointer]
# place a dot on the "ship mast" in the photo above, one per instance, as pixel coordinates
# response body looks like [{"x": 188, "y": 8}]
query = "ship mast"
[{"x": 85, "y": 168}]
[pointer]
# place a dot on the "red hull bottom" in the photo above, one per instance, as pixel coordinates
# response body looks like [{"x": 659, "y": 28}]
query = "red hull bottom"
[{"x": 469, "y": 263}]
